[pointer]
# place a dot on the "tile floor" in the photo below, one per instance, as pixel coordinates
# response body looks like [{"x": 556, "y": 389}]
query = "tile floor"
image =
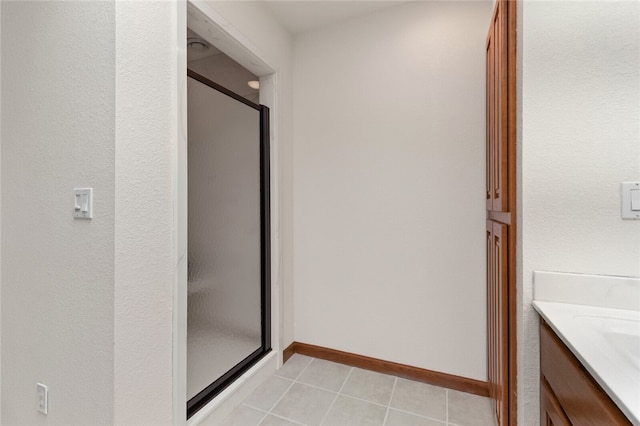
[{"x": 313, "y": 392}]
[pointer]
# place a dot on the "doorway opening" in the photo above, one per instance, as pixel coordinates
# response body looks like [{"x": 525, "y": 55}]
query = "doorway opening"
[{"x": 228, "y": 271}]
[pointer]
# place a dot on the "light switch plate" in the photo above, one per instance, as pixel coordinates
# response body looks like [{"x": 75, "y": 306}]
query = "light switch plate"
[
  {"x": 625, "y": 197},
  {"x": 43, "y": 398},
  {"x": 83, "y": 203}
]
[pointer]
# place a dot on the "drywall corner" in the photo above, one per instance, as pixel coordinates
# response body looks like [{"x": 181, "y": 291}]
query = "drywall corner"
[
  {"x": 0, "y": 212},
  {"x": 519, "y": 208},
  {"x": 145, "y": 193},
  {"x": 579, "y": 139}
]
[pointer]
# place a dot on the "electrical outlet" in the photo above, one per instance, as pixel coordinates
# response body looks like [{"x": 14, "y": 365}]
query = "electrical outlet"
[{"x": 43, "y": 398}]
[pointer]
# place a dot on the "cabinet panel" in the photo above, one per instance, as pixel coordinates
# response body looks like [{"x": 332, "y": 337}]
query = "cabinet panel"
[
  {"x": 551, "y": 413},
  {"x": 498, "y": 329},
  {"x": 490, "y": 119},
  {"x": 497, "y": 155},
  {"x": 501, "y": 208},
  {"x": 581, "y": 398}
]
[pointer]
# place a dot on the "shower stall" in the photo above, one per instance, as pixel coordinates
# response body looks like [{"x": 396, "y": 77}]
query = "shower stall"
[{"x": 228, "y": 313}]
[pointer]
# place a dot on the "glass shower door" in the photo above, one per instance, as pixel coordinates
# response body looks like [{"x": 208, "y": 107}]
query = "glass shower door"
[{"x": 227, "y": 322}]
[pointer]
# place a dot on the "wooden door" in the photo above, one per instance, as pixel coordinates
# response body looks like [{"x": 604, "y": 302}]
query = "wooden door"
[
  {"x": 497, "y": 318},
  {"x": 501, "y": 207},
  {"x": 497, "y": 167}
]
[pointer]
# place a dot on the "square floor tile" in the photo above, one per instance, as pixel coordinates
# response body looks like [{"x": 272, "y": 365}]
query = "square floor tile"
[
  {"x": 466, "y": 409},
  {"x": 399, "y": 418},
  {"x": 352, "y": 412},
  {"x": 369, "y": 385},
  {"x": 304, "y": 404},
  {"x": 325, "y": 374},
  {"x": 420, "y": 398},
  {"x": 268, "y": 393},
  {"x": 271, "y": 420},
  {"x": 294, "y": 366},
  {"x": 244, "y": 416}
]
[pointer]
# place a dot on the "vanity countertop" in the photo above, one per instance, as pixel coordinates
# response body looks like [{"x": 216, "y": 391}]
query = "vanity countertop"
[{"x": 600, "y": 324}]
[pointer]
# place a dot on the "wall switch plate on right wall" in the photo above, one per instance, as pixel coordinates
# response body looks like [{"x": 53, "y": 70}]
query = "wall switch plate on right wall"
[{"x": 630, "y": 197}]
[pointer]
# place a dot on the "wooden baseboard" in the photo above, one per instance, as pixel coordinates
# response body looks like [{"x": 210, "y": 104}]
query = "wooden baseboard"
[
  {"x": 289, "y": 351},
  {"x": 444, "y": 380}
]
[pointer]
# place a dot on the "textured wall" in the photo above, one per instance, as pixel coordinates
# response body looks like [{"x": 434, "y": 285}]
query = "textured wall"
[
  {"x": 0, "y": 215},
  {"x": 57, "y": 126},
  {"x": 389, "y": 182},
  {"x": 145, "y": 206},
  {"x": 580, "y": 138}
]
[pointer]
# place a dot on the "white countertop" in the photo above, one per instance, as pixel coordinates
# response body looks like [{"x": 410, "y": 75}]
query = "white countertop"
[{"x": 605, "y": 338}]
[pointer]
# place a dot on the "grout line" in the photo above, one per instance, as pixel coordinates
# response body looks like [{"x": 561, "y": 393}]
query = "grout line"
[
  {"x": 303, "y": 370},
  {"x": 264, "y": 413},
  {"x": 363, "y": 400},
  {"x": 285, "y": 418},
  {"x": 280, "y": 399},
  {"x": 393, "y": 389},
  {"x": 316, "y": 387},
  {"x": 421, "y": 416},
  {"x": 339, "y": 393},
  {"x": 254, "y": 408},
  {"x": 336, "y": 397},
  {"x": 446, "y": 405},
  {"x": 263, "y": 417}
]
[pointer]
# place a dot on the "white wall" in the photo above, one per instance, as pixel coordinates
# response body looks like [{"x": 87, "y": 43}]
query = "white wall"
[
  {"x": 253, "y": 21},
  {"x": 149, "y": 144},
  {"x": 88, "y": 306},
  {"x": 580, "y": 137},
  {"x": 57, "y": 128},
  {"x": 389, "y": 127},
  {"x": 0, "y": 216}
]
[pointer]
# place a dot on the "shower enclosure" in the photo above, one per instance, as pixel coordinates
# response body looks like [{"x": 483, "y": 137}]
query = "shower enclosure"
[{"x": 228, "y": 319}]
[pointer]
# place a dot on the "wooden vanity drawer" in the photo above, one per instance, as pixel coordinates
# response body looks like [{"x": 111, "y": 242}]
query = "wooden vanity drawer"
[
  {"x": 580, "y": 397},
  {"x": 551, "y": 412}
]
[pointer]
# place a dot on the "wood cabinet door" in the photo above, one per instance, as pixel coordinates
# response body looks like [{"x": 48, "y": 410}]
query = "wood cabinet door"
[
  {"x": 497, "y": 155},
  {"x": 498, "y": 327},
  {"x": 551, "y": 413},
  {"x": 582, "y": 400}
]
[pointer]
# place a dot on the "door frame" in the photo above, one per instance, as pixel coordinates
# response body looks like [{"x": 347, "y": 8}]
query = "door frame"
[{"x": 216, "y": 30}]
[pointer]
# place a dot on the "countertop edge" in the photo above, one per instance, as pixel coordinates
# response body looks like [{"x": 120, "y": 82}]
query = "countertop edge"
[{"x": 539, "y": 306}]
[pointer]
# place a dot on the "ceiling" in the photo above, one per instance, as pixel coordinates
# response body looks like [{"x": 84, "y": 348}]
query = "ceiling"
[{"x": 298, "y": 16}]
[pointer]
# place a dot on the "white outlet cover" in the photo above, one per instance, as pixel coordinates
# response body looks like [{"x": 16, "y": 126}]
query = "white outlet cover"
[{"x": 625, "y": 198}]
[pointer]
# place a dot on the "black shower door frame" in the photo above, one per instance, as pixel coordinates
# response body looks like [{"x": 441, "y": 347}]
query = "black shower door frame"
[{"x": 211, "y": 391}]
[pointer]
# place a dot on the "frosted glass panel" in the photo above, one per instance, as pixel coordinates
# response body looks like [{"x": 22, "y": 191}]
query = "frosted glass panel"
[{"x": 224, "y": 294}]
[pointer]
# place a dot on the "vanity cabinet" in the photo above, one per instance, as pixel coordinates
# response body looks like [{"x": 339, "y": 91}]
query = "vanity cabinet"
[{"x": 568, "y": 393}]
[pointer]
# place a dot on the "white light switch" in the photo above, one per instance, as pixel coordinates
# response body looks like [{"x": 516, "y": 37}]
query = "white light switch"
[
  {"x": 43, "y": 398},
  {"x": 630, "y": 196},
  {"x": 83, "y": 203}
]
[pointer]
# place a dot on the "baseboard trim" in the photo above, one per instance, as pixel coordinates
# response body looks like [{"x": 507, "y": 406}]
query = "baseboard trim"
[
  {"x": 445, "y": 380},
  {"x": 289, "y": 351}
]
